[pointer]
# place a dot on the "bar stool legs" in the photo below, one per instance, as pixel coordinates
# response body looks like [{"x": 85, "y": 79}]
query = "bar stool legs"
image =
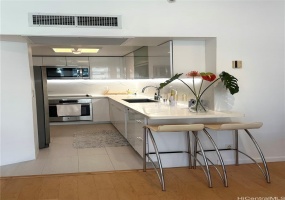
[
  {"x": 148, "y": 137},
  {"x": 224, "y": 178},
  {"x": 236, "y": 127},
  {"x": 266, "y": 172},
  {"x": 207, "y": 171},
  {"x": 159, "y": 172}
]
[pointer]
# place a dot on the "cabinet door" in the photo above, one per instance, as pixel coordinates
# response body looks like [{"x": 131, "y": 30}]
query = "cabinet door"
[
  {"x": 141, "y": 70},
  {"x": 160, "y": 60},
  {"x": 100, "y": 110},
  {"x": 118, "y": 117},
  {"x": 139, "y": 124},
  {"x": 77, "y": 61},
  {"x": 112, "y": 113},
  {"x": 136, "y": 122},
  {"x": 107, "y": 68},
  {"x": 131, "y": 127},
  {"x": 54, "y": 61}
]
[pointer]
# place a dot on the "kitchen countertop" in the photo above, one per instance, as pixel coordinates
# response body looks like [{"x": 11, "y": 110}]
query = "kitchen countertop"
[
  {"x": 75, "y": 96},
  {"x": 162, "y": 110}
]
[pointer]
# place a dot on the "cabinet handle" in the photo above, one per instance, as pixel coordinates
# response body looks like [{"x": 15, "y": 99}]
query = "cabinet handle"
[
  {"x": 139, "y": 138},
  {"x": 139, "y": 121}
]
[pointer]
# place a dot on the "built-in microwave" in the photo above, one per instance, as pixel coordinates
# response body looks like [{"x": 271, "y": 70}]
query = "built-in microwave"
[{"x": 67, "y": 72}]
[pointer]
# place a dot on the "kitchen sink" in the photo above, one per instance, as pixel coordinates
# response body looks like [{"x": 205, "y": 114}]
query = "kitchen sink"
[{"x": 139, "y": 100}]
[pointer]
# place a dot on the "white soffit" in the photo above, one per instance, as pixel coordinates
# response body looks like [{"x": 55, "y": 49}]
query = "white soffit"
[{"x": 76, "y": 40}]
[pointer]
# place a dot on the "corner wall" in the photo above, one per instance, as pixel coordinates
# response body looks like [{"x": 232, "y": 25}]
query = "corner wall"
[{"x": 17, "y": 125}]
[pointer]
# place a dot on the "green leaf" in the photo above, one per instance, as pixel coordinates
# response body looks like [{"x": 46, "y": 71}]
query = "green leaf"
[
  {"x": 230, "y": 82},
  {"x": 173, "y": 78}
]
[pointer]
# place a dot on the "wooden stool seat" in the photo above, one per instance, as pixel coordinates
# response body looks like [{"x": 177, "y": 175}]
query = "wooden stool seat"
[
  {"x": 176, "y": 128},
  {"x": 234, "y": 126}
]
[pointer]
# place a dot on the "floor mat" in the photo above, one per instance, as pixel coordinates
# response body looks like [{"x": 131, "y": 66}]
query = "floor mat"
[{"x": 99, "y": 139}]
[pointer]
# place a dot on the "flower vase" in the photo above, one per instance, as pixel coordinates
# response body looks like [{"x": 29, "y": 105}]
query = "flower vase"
[{"x": 197, "y": 106}]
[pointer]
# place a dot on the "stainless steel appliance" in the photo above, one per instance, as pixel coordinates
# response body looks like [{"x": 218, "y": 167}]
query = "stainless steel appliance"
[
  {"x": 40, "y": 80},
  {"x": 67, "y": 72},
  {"x": 85, "y": 105}
]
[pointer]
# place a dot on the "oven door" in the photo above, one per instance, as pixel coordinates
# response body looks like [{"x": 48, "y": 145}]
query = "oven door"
[{"x": 85, "y": 105}]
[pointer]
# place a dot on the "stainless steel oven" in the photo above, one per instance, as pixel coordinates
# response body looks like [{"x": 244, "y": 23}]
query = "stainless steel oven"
[{"x": 83, "y": 114}]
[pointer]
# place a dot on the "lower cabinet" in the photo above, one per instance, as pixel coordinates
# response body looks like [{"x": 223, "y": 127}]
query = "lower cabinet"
[
  {"x": 118, "y": 116},
  {"x": 100, "y": 110},
  {"x": 130, "y": 124},
  {"x": 135, "y": 124}
]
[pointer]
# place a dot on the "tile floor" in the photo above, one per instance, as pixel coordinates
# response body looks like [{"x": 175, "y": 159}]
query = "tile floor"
[{"x": 62, "y": 157}]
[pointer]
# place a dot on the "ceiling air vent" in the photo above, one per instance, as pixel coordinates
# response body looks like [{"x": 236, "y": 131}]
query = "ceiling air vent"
[
  {"x": 97, "y": 21},
  {"x": 74, "y": 21},
  {"x": 53, "y": 20}
]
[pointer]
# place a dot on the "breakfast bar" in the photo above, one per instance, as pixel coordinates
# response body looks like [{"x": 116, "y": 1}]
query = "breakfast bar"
[
  {"x": 173, "y": 145},
  {"x": 160, "y": 133},
  {"x": 130, "y": 118}
]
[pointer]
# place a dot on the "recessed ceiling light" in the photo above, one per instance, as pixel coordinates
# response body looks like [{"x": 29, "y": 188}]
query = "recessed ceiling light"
[
  {"x": 75, "y": 50},
  {"x": 62, "y": 50},
  {"x": 88, "y": 50}
]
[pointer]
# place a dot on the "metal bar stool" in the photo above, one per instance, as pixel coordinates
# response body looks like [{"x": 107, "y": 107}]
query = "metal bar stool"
[
  {"x": 148, "y": 133},
  {"x": 236, "y": 127}
]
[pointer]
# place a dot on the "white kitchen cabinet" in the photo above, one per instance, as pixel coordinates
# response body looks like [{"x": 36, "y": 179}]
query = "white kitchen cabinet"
[
  {"x": 118, "y": 117},
  {"x": 107, "y": 68},
  {"x": 135, "y": 124},
  {"x": 150, "y": 62},
  {"x": 54, "y": 61},
  {"x": 37, "y": 61},
  {"x": 100, "y": 110},
  {"x": 131, "y": 127},
  {"x": 77, "y": 61}
]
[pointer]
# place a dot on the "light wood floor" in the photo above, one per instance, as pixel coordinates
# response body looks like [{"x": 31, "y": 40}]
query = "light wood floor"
[{"x": 181, "y": 183}]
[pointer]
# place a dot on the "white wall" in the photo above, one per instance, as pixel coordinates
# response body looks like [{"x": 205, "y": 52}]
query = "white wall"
[
  {"x": 17, "y": 125},
  {"x": 251, "y": 31}
]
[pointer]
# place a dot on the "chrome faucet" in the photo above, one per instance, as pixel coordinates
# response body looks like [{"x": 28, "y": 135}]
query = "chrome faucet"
[{"x": 156, "y": 96}]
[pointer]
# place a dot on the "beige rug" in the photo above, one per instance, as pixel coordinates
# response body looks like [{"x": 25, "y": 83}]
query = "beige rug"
[{"x": 99, "y": 139}]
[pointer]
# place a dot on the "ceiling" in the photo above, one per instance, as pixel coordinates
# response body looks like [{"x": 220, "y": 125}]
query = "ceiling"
[{"x": 42, "y": 46}]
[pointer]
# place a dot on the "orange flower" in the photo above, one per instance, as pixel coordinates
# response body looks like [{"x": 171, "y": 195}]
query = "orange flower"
[{"x": 192, "y": 74}]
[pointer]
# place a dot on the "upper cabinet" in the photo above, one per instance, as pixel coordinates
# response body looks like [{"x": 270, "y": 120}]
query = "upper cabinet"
[
  {"x": 54, "y": 61},
  {"x": 150, "y": 62},
  {"x": 66, "y": 61},
  {"x": 141, "y": 70},
  {"x": 160, "y": 60},
  {"x": 77, "y": 61},
  {"x": 107, "y": 68}
]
